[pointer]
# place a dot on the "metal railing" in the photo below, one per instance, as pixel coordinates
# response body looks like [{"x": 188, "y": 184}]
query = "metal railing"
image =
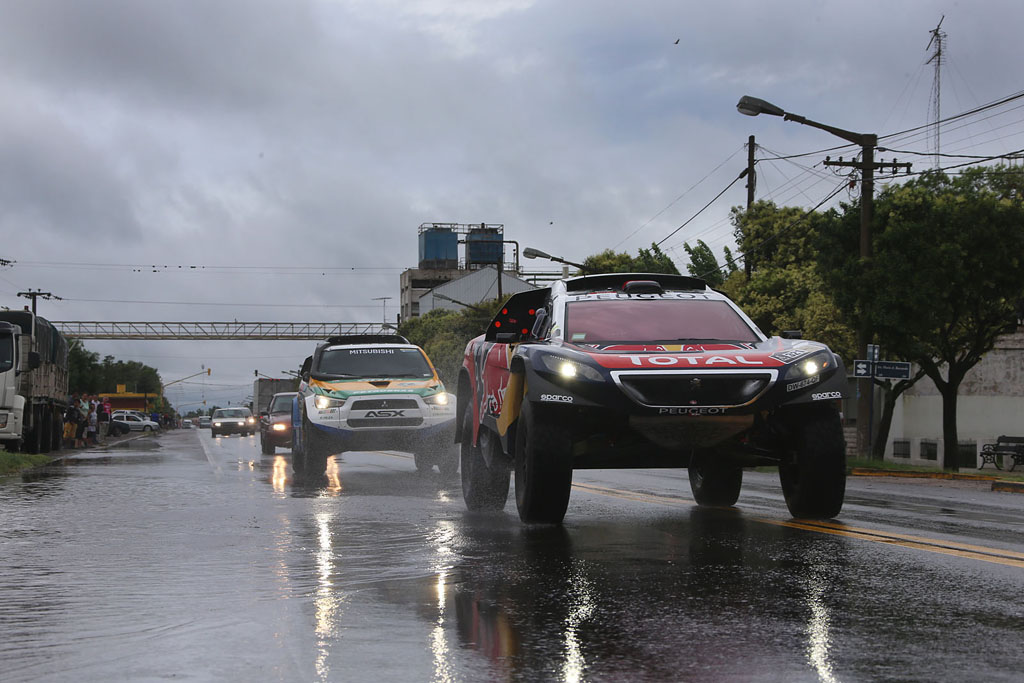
[{"x": 200, "y": 331}]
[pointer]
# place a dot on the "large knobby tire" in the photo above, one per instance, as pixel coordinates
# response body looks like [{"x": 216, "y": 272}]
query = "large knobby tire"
[
  {"x": 448, "y": 461},
  {"x": 424, "y": 462},
  {"x": 314, "y": 452},
  {"x": 266, "y": 447},
  {"x": 713, "y": 482},
  {"x": 483, "y": 487},
  {"x": 814, "y": 480},
  {"x": 543, "y": 467},
  {"x": 47, "y": 433},
  {"x": 298, "y": 455},
  {"x": 34, "y": 442}
]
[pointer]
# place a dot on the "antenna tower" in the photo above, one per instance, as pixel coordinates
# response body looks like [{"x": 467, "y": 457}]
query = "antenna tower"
[{"x": 936, "y": 44}]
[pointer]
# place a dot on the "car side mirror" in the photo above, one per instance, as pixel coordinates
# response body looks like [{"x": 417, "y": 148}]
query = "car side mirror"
[
  {"x": 792, "y": 334},
  {"x": 264, "y": 414},
  {"x": 34, "y": 360}
]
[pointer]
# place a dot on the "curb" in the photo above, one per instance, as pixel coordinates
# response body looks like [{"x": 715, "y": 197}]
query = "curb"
[
  {"x": 71, "y": 452},
  {"x": 868, "y": 472},
  {"x": 1008, "y": 486}
]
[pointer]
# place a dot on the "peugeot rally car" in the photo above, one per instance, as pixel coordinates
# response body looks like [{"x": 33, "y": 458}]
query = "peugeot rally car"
[
  {"x": 362, "y": 392},
  {"x": 645, "y": 370}
]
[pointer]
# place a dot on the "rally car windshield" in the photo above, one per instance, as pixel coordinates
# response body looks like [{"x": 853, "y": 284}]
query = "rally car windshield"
[
  {"x": 372, "y": 363},
  {"x": 655, "y": 320}
]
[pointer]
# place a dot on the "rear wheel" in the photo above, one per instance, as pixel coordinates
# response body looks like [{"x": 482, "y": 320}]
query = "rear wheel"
[
  {"x": 814, "y": 479},
  {"x": 543, "y": 467},
  {"x": 713, "y": 482},
  {"x": 483, "y": 487}
]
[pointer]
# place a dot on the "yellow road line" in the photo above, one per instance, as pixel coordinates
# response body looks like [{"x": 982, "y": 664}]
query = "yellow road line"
[{"x": 974, "y": 552}]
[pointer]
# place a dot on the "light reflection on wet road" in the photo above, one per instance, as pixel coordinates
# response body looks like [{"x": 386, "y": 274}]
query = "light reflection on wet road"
[{"x": 191, "y": 557}]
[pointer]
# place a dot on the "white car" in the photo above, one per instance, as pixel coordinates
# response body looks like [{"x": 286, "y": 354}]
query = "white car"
[
  {"x": 119, "y": 414},
  {"x": 138, "y": 424}
]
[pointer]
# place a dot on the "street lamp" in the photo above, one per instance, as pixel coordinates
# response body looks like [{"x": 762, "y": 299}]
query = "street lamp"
[
  {"x": 384, "y": 307},
  {"x": 530, "y": 252},
  {"x": 752, "y": 106}
]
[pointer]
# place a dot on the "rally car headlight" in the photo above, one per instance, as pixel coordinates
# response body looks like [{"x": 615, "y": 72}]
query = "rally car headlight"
[
  {"x": 279, "y": 426},
  {"x": 325, "y": 402},
  {"x": 438, "y": 399},
  {"x": 569, "y": 369},
  {"x": 815, "y": 365}
]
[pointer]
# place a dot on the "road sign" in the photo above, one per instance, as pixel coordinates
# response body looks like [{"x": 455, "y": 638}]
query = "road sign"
[
  {"x": 873, "y": 350},
  {"x": 892, "y": 369},
  {"x": 862, "y": 368}
]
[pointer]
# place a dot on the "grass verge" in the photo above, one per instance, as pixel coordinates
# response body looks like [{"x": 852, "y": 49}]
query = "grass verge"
[
  {"x": 889, "y": 466},
  {"x": 12, "y": 463}
]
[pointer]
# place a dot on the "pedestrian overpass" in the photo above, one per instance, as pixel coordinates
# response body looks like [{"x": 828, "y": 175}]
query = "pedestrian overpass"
[{"x": 205, "y": 331}]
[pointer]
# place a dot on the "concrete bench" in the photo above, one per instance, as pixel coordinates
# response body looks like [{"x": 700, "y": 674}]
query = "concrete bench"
[{"x": 1012, "y": 446}]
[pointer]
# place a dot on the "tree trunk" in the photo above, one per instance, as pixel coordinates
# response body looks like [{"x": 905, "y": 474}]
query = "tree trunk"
[
  {"x": 950, "y": 439},
  {"x": 884, "y": 423},
  {"x": 891, "y": 393}
]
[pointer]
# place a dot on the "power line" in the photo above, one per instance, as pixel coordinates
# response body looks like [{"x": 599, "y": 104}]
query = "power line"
[
  {"x": 218, "y": 303},
  {"x": 673, "y": 202},
  {"x": 687, "y": 222}
]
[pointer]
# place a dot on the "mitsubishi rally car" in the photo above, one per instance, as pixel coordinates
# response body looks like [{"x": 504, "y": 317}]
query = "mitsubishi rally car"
[
  {"x": 367, "y": 392},
  {"x": 645, "y": 370}
]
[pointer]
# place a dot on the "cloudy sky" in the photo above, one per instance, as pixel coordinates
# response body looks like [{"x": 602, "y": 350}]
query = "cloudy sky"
[{"x": 291, "y": 148}]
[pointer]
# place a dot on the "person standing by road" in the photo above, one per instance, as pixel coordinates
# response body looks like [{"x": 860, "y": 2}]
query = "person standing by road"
[{"x": 91, "y": 428}]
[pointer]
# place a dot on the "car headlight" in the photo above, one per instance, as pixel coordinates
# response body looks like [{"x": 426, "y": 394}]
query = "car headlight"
[
  {"x": 325, "y": 402},
  {"x": 815, "y": 365},
  {"x": 279, "y": 426},
  {"x": 251, "y": 420},
  {"x": 569, "y": 369},
  {"x": 438, "y": 399},
  {"x": 216, "y": 424}
]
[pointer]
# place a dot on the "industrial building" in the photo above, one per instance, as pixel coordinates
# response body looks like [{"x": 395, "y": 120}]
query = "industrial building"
[
  {"x": 472, "y": 287},
  {"x": 483, "y": 249}
]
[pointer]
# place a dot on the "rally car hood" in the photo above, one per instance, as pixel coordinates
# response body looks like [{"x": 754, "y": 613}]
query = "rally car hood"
[
  {"x": 344, "y": 388},
  {"x": 771, "y": 353}
]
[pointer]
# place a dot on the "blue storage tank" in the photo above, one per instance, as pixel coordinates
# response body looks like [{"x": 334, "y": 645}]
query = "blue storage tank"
[
  {"x": 484, "y": 247},
  {"x": 439, "y": 249}
]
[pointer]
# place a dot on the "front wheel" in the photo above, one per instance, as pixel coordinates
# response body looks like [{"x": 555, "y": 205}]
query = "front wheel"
[
  {"x": 713, "y": 482},
  {"x": 543, "y": 467},
  {"x": 423, "y": 463},
  {"x": 147, "y": 428},
  {"x": 314, "y": 452},
  {"x": 483, "y": 487},
  {"x": 814, "y": 480},
  {"x": 267, "y": 447}
]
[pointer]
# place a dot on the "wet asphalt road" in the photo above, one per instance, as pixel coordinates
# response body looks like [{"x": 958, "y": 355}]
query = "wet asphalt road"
[{"x": 187, "y": 557}]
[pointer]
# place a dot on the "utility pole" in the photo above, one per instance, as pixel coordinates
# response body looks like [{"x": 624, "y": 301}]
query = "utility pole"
[
  {"x": 751, "y": 185},
  {"x": 38, "y": 294},
  {"x": 753, "y": 106},
  {"x": 867, "y": 166}
]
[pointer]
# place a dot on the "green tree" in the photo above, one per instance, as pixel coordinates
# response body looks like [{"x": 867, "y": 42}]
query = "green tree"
[
  {"x": 946, "y": 277},
  {"x": 86, "y": 374},
  {"x": 443, "y": 334},
  {"x": 652, "y": 260},
  {"x": 703, "y": 263},
  {"x": 785, "y": 290}
]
